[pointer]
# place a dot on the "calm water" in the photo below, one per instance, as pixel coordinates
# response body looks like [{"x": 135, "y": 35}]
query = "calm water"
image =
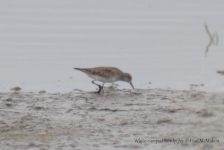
[{"x": 162, "y": 42}]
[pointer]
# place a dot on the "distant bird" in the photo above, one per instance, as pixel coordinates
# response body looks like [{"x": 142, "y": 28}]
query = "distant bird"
[
  {"x": 16, "y": 89},
  {"x": 106, "y": 75}
]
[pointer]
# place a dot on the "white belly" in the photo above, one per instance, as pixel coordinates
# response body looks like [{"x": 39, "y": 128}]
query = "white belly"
[{"x": 105, "y": 80}]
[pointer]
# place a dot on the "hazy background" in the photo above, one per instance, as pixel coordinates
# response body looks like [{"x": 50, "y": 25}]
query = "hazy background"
[{"x": 156, "y": 41}]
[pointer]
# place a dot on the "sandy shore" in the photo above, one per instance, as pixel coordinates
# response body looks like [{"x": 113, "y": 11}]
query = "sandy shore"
[{"x": 118, "y": 119}]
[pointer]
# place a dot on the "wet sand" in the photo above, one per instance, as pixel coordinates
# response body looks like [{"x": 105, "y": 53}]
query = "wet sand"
[{"x": 116, "y": 119}]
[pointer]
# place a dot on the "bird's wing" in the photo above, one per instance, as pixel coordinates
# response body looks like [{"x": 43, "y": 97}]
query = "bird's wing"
[{"x": 105, "y": 71}]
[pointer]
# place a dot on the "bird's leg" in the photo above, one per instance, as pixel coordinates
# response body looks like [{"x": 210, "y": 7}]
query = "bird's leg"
[{"x": 100, "y": 87}]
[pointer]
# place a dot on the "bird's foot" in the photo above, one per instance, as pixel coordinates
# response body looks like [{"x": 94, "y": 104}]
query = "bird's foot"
[{"x": 99, "y": 91}]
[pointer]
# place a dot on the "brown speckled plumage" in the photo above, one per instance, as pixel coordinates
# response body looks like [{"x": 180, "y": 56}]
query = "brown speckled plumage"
[{"x": 105, "y": 72}]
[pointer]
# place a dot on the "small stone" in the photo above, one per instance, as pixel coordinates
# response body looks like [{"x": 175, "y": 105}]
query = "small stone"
[
  {"x": 8, "y": 99},
  {"x": 164, "y": 120},
  {"x": 16, "y": 89},
  {"x": 8, "y": 104},
  {"x": 77, "y": 90},
  {"x": 38, "y": 107},
  {"x": 42, "y": 92}
]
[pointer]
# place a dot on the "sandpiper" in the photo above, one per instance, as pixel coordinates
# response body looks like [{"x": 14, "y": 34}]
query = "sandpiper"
[{"x": 106, "y": 75}]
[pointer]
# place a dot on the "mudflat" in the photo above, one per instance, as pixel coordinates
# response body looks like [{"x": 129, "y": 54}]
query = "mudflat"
[{"x": 118, "y": 119}]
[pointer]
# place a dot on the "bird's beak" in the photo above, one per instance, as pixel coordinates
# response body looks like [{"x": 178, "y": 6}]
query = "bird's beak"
[{"x": 132, "y": 85}]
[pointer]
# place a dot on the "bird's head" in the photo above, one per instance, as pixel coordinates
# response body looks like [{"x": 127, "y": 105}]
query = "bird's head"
[{"x": 127, "y": 78}]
